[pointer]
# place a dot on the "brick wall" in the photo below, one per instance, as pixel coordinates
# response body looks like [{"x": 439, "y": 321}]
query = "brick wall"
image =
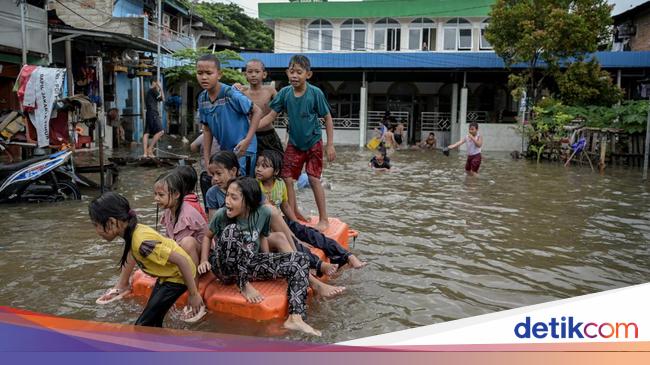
[
  {"x": 641, "y": 41},
  {"x": 84, "y": 14}
]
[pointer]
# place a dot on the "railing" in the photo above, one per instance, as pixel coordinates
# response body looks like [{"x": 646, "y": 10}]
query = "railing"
[
  {"x": 435, "y": 121},
  {"x": 478, "y": 116},
  {"x": 375, "y": 117},
  {"x": 169, "y": 39},
  {"x": 339, "y": 123}
]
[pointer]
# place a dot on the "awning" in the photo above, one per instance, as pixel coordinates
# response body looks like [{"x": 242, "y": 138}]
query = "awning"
[{"x": 117, "y": 39}]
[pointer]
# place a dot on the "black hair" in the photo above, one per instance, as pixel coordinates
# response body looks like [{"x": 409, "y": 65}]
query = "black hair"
[
  {"x": 113, "y": 205},
  {"x": 210, "y": 57},
  {"x": 251, "y": 196},
  {"x": 175, "y": 184},
  {"x": 226, "y": 158},
  {"x": 301, "y": 61},
  {"x": 275, "y": 158},
  {"x": 474, "y": 124},
  {"x": 258, "y": 61},
  {"x": 189, "y": 177}
]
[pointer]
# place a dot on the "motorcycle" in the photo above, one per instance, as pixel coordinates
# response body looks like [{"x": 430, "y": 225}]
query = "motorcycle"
[{"x": 44, "y": 178}]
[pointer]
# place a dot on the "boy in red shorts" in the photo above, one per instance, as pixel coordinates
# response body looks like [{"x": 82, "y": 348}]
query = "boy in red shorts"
[
  {"x": 304, "y": 104},
  {"x": 474, "y": 143}
]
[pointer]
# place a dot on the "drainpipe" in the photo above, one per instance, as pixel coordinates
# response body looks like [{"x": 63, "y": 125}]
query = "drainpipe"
[{"x": 23, "y": 31}]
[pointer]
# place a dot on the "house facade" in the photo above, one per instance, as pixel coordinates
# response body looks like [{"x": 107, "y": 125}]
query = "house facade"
[{"x": 425, "y": 61}]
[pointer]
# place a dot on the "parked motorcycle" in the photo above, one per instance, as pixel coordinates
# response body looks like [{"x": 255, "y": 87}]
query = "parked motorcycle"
[{"x": 44, "y": 178}]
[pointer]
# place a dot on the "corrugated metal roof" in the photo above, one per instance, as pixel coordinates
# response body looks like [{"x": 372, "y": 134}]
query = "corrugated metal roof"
[
  {"x": 375, "y": 9},
  {"x": 427, "y": 60}
]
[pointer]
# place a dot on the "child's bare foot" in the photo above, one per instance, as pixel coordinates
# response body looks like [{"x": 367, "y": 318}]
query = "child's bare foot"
[
  {"x": 355, "y": 263},
  {"x": 295, "y": 323},
  {"x": 301, "y": 217},
  {"x": 322, "y": 225},
  {"x": 328, "y": 269},
  {"x": 251, "y": 294},
  {"x": 326, "y": 290}
]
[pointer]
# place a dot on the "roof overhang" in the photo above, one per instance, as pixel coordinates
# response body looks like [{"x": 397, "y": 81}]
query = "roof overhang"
[{"x": 116, "y": 39}]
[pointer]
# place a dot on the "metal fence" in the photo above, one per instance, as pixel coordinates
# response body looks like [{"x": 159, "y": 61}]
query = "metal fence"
[
  {"x": 435, "y": 121},
  {"x": 339, "y": 123}
]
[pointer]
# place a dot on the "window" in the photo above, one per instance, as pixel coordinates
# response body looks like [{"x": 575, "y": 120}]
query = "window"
[
  {"x": 353, "y": 35},
  {"x": 422, "y": 35},
  {"x": 457, "y": 35},
  {"x": 387, "y": 35},
  {"x": 319, "y": 35},
  {"x": 484, "y": 42}
]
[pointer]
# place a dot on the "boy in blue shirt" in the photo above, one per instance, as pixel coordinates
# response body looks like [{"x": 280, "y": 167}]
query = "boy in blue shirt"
[
  {"x": 304, "y": 104},
  {"x": 226, "y": 111}
]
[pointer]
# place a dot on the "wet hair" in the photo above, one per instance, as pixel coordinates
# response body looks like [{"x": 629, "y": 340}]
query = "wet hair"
[
  {"x": 251, "y": 196},
  {"x": 175, "y": 184},
  {"x": 189, "y": 177},
  {"x": 211, "y": 58},
  {"x": 252, "y": 60},
  {"x": 431, "y": 134},
  {"x": 473, "y": 124},
  {"x": 275, "y": 159},
  {"x": 300, "y": 60},
  {"x": 226, "y": 158},
  {"x": 113, "y": 205}
]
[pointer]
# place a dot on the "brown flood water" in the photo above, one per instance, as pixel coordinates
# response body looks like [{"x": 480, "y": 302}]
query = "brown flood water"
[{"x": 440, "y": 246}]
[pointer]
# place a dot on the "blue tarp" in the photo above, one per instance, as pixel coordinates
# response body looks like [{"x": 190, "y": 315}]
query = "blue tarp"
[{"x": 427, "y": 60}]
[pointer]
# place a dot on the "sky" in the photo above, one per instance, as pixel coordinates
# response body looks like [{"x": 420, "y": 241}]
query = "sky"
[{"x": 250, "y": 6}]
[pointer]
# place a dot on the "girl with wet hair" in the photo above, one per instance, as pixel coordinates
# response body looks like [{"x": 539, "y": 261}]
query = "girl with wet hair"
[
  {"x": 158, "y": 256},
  {"x": 241, "y": 230}
]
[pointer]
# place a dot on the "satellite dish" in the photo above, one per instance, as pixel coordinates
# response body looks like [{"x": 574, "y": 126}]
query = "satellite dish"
[{"x": 130, "y": 57}]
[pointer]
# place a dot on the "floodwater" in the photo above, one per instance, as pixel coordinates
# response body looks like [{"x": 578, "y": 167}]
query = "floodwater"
[{"x": 440, "y": 246}]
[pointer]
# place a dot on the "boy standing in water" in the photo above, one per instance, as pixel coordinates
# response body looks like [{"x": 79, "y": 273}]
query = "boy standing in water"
[
  {"x": 225, "y": 112},
  {"x": 474, "y": 143},
  {"x": 261, "y": 95},
  {"x": 304, "y": 104}
]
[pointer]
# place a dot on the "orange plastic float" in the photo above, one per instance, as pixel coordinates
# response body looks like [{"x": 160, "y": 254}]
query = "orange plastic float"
[{"x": 221, "y": 298}]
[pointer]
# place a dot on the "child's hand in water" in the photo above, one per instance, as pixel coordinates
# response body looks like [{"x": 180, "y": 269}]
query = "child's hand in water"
[{"x": 203, "y": 267}]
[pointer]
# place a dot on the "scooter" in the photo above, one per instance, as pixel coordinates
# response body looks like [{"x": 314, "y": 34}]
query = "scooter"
[{"x": 44, "y": 178}]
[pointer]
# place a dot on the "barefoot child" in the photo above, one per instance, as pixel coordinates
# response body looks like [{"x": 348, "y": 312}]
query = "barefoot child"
[
  {"x": 261, "y": 95},
  {"x": 304, "y": 104},
  {"x": 190, "y": 178},
  {"x": 379, "y": 162},
  {"x": 157, "y": 256},
  {"x": 474, "y": 143},
  {"x": 267, "y": 172},
  {"x": 241, "y": 231},
  {"x": 226, "y": 112},
  {"x": 182, "y": 222}
]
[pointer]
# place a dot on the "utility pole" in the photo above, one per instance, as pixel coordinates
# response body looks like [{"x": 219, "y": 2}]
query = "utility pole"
[
  {"x": 647, "y": 144},
  {"x": 23, "y": 31}
]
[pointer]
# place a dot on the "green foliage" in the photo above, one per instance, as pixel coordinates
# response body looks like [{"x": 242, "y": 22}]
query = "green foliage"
[
  {"x": 535, "y": 31},
  {"x": 239, "y": 28},
  {"x": 551, "y": 117},
  {"x": 585, "y": 83},
  {"x": 187, "y": 72}
]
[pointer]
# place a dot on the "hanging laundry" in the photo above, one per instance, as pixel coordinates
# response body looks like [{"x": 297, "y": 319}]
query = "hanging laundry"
[{"x": 40, "y": 92}]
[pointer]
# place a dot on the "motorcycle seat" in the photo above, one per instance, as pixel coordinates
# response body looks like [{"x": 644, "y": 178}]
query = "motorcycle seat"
[{"x": 22, "y": 164}]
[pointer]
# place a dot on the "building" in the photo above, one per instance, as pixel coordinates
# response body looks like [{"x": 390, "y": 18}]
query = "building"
[
  {"x": 425, "y": 61},
  {"x": 632, "y": 29},
  {"x": 123, "y": 35}
]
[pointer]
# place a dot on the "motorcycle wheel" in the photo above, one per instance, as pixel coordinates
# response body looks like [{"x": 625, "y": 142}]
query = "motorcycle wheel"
[{"x": 68, "y": 190}]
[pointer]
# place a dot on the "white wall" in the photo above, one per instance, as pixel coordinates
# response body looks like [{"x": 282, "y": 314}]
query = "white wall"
[
  {"x": 341, "y": 136},
  {"x": 499, "y": 137},
  {"x": 289, "y": 36}
]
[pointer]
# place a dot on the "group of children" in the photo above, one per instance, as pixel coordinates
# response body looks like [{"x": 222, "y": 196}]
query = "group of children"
[
  {"x": 381, "y": 162},
  {"x": 253, "y": 229}
]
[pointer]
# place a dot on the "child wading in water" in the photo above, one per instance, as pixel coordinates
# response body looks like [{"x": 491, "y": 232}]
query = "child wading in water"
[
  {"x": 241, "y": 229},
  {"x": 261, "y": 95},
  {"x": 158, "y": 256},
  {"x": 474, "y": 143},
  {"x": 226, "y": 111},
  {"x": 304, "y": 104},
  {"x": 182, "y": 220}
]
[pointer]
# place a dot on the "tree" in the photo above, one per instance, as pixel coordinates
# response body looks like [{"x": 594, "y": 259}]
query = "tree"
[
  {"x": 242, "y": 30},
  {"x": 544, "y": 33},
  {"x": 187, "y": 72},
  {"x": 585, "y": 83}
]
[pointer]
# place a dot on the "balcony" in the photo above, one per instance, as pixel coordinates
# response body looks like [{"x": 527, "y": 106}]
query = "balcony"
[{"x": 141, "y": 27}]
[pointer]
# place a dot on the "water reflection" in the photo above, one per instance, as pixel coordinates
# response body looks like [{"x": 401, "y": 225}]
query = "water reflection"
[{"x": 441, "y": 246}]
